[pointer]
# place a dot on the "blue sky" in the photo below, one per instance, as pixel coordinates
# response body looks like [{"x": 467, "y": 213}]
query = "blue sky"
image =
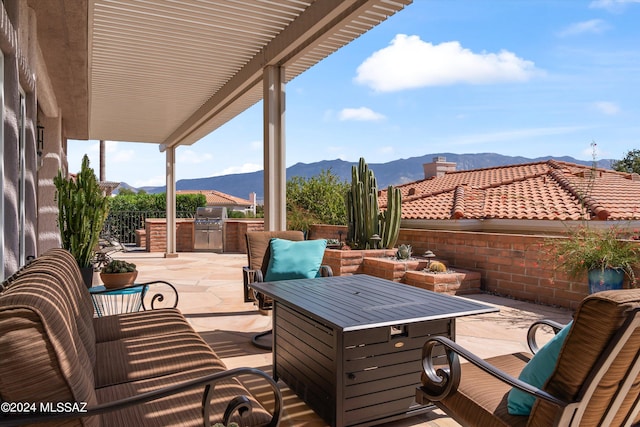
[{"x": 522, "y": 78}]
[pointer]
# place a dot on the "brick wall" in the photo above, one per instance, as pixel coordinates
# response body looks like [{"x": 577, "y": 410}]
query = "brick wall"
[
  {"x": 141, "y": 238},
  {"x": 185, "y": 235},
  {"x": 322, "y": 231},
  {"x": 156, "y": 235},
  {"x": 511, "y": 264},
  {"x": 344, "y": 263},
  {"x": 235, "y": 230}
]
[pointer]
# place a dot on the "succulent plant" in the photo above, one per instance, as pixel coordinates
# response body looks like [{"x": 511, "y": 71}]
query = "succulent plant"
[
  {"x": 437, "y": 267},
  {"x": 390, "y": 218},
  {"x": 119, "y": 266},
  {"x": 82, "y": 210},
  {"x": 403, "y": 252},
  {"x": 365, "y": 220}
]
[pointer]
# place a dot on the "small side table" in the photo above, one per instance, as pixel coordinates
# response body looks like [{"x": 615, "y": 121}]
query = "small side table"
[{"x": 118, "y": 301}]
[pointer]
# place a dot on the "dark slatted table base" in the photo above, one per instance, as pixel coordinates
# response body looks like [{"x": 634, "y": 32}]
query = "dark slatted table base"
[{"x": 351, "y": 346}]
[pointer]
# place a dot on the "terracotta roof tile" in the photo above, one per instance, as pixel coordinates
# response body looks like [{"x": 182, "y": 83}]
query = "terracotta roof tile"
[
  {"x": 217, "y": 198},
  {"x": 108, "y": 186},
  {"x": 550, "y": 190},
  {"x": 438, "y": 208}
]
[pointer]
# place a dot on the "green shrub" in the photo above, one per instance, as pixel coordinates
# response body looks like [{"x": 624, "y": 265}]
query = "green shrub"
[{"x": 316, "y": 200}]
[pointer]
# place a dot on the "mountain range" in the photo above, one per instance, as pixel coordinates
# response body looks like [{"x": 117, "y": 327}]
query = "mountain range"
[{"x": 391, "y": 173}]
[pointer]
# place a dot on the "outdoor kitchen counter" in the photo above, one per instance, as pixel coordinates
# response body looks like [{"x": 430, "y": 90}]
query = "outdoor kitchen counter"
[{"x": 350, "y": 346}]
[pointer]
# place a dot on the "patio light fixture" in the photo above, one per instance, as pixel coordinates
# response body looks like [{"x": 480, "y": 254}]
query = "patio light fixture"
[
  {"x": 40, "y": 140},
  {"x": 375, "y": 239},
  {"x": 429, "y": 256}
]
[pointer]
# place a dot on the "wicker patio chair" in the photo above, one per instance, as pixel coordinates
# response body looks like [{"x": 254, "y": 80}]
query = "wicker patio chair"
[
  {"x": 594, "y": 382},
  {"x": 258, "y": 254}
]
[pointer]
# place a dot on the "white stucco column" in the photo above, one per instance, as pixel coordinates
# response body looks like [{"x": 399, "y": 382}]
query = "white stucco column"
[
  {"x": 275, "y": 174},
  {"x": 53, "y": 159},
  {"x": 171, "y": 202}
]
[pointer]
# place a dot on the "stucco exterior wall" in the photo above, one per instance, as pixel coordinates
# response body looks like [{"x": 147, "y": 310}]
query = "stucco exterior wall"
[
  {"x": 53, "y": 159},
  {"x": 11, "y": 142},
  {"x": 19, "y": 45}
]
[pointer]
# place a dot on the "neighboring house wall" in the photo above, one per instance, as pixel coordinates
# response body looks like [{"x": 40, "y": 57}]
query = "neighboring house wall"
[{"x": 22, "y": 199}]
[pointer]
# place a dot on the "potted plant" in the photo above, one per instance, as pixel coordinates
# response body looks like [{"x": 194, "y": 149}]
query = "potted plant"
[
  {"x": 605, "y": 254},
  {"x": 82, "y": 210},
  {"x": 118, "y": 273}
]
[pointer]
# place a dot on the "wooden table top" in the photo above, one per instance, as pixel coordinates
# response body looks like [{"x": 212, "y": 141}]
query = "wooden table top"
[{"x": 350, "y": 303}]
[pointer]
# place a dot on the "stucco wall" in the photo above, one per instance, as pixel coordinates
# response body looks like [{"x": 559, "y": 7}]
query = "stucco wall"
[
  {"x": 53, "y": 159},
  {"x": 19, "y": 45}
]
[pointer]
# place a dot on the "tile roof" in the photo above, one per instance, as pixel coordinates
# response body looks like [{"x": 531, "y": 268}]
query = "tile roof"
[
  {"x": 217, "y": 198},
  {"x": 108, "y": 186},
  {"x": 549, "y": 190}
]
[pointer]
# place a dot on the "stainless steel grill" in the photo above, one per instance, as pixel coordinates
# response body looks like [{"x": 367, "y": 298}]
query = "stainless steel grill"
[{"x": 209, "y": 228}]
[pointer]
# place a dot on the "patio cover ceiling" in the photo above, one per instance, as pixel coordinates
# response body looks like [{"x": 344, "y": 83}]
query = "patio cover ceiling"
[{"x": 171, "y": 72}]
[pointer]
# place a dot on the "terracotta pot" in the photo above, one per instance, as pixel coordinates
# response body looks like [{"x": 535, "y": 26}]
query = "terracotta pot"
[{"x": 117, "y": 280}]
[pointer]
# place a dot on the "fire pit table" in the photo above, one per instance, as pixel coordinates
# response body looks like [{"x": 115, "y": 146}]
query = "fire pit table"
[{"x": 351, "y": 346}]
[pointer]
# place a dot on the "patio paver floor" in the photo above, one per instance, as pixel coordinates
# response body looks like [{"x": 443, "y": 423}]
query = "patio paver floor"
[{"x": 210, "y": 288}]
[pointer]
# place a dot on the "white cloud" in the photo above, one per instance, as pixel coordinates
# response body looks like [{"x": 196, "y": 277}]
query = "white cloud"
[
  {"x": 192, "y": 157},
  {"x": 362, "y": 114},
  {"x": 386, "y": 150},
  {"x": 606, "y": 107},
  {"x": 255, "y": 145},
  {"x": 154, "y": 181},
  {"x": 409, "y": 62},
  {"x": 245, "y": 168},
  {"x": 121, "y": 156},
  {"x": 593, "y": 26},
  {"x": 611, "y": 5}
]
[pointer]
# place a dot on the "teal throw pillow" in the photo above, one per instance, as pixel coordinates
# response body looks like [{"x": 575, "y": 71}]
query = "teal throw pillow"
[
  {"x": 536, "y": 373},
  {"x": 294, "y": 260}
]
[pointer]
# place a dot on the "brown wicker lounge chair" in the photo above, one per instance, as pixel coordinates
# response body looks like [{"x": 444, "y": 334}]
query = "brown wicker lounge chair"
[
  {"x": 61, "y": 365},
  {"x": 258, "y": 254},
  {"x": 595, "y": 381}
]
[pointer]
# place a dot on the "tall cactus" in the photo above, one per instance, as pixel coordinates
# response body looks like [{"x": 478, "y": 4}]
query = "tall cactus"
[
  {"x": 82, "y": 210},
  {"x": 390, "y": 218},
  {"x": 363, "y": 215}
]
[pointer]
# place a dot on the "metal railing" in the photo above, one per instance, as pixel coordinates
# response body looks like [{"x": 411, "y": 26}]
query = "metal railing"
[{"x": 121, "y": 226}]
